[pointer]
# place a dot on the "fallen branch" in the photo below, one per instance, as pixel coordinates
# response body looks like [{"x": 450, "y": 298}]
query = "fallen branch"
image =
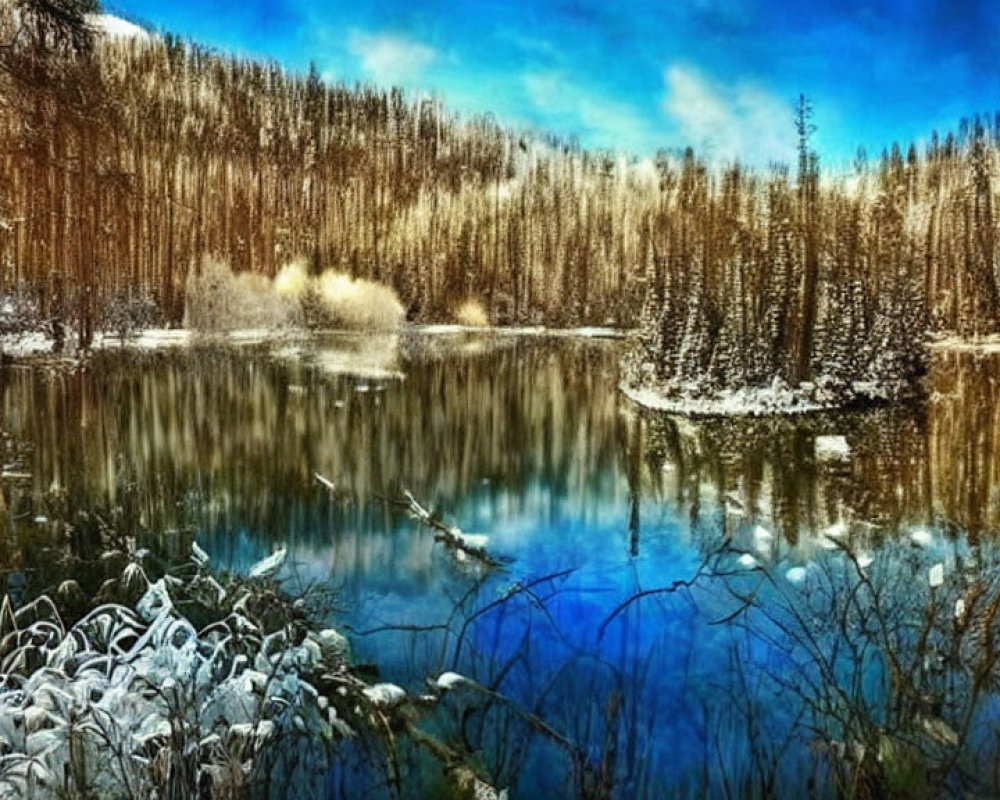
[
  {"x": 325, "y": 481},
  {"x": 452, "y": 537}
]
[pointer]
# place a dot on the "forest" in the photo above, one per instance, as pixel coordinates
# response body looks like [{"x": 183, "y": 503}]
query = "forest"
[{"x": 124, "y": 162}]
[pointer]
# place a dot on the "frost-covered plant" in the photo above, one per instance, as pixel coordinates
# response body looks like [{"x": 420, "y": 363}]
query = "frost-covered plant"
[
  {"x": 292, "y": 280},
  {"x": 472, "y": 314},
  {"x": 130, "y": 702},
  {"x": 891, "y": 661},
  {"x": 356, "y": 304},
  {"x": 216, "y": 299},
  {"x": 19, "y": 312},
  {"x": 130, "y": 310}
]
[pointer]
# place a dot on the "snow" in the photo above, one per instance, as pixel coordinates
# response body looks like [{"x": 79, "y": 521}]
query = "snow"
[
  {"x": 325, "y": 481},
  {"x": 836, "y": 531},
  {"x": 763, "y": 539},
  {"x": 796, "y": 575},
  {"x": 93, "y": 677},
  {"x": 586, "y": 332},
  {"x": 116, "y": 27},
  {"x": 385, "y": 695},
  {"x": 198, "y": 555},
  {"x": 26, "y": 345},
  {"x": 474, "y": 541},
  {"x": 759, "y": 401},
  {"x": 438, "y": 330},
  {"x": 746, "y": 560},
  {"x": 832, "y": 448},
  {"x": 755, "y": 401},
  {"x": 449, "y": 680},
  {"x": 592, "y": 332},
  {"x": 367, "y": 357},
  {"x": 267, "y": 567},
  {"x": 921, "y": 537},
  {"x": 935, "y": 577},
  {"x": 988, "y": 345}
]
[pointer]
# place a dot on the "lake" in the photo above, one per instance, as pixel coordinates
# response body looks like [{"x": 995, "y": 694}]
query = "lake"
[{"x": 604, "y": 672}]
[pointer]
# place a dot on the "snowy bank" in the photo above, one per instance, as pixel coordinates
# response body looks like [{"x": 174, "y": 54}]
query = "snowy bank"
[
  {"x": 26, "y": 345},
  {"x": 527, "y": 330},
  {"x": 759, "y": 401},
  {"x": 987, "y": 345}
]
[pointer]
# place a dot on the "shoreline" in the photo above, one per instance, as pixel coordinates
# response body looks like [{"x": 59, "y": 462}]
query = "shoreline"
[
  {"x": 34, "y": 344},
  {"x": 759, "y": 402}
]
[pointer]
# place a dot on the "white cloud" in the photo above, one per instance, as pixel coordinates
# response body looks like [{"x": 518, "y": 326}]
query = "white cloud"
[
  {"x": 605, "y": 122},
  {"x": 389, "y": 58},
  {"x": 724, "y": 123}
]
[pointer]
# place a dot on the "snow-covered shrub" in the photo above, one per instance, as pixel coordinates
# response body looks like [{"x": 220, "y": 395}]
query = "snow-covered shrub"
[
  {"x": 134, "y": 701},
  {"x": 216, "y": 299},
  {"x": 472, "y": 314},
  {"x": 130, "y": 310},
  {"x": 19, "y": 312},
  {"x": 292, "y": 280},
  {"x": 356, "y": 304}
]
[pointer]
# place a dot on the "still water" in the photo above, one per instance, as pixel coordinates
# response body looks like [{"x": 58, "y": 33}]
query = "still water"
[{"x": 595, "y": 506}]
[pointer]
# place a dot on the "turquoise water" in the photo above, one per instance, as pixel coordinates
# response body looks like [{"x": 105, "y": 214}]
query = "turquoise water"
[{"x": 590, "y": 503}]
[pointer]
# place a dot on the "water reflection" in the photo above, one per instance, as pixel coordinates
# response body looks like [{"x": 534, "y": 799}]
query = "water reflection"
[
  {"x": 229, "y": 441},
  {"x": 527, "y": 441},
  {"x": 781, "y": 474}
]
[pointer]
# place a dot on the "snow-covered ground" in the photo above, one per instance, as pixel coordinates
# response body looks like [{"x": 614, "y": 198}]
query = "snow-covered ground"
[
  {"x": 585, "y": 332},
  {"x": 26, "y": 345},
  {"x": 33, "y": 344},
  {"x": 989, "y": 345},
  {"x": 116, "y": 27},
  {"x": 757, "y": 401}
]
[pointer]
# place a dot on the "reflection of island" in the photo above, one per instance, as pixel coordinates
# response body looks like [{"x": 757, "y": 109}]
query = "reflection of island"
[
  {"x": 782, "y": 473},
  {"x": 931, "y": 464}
]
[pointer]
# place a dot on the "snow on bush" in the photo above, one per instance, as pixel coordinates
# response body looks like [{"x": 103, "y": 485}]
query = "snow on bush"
[
  {"x": 472, "y": 314},
  {"x": 357, "y": 304},
  {"x": 292, "y": 280},
  {"x": 216, "y": 299},
  {"x": 137, "y": 701}
]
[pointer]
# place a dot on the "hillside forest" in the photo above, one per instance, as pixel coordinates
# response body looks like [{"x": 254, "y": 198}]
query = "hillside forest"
[{"x": 124, "y": 162}]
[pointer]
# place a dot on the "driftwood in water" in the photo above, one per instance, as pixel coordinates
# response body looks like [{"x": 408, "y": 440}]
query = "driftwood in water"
[{"x": 463, "y": 545}]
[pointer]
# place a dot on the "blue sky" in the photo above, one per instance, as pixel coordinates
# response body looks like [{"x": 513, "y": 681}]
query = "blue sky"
[{"x": 722, "y": 76}]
